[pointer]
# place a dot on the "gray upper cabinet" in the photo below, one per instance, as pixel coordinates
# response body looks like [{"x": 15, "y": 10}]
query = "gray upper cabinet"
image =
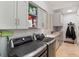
[
  {"x": 42, "y": 18},
  {"x": 13, "y": 15},
  {"x": 7, "y": 15},
  {"x": 22, "y": 9},
  {"x": 57, "y": 19},
  {"x": 50, "y": 22}
]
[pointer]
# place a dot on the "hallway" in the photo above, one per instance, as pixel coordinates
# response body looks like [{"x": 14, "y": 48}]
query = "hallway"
[{"x": 68, "y": 50}]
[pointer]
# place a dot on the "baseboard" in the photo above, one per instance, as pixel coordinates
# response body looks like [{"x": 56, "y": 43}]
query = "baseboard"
[{"x": 69, "y": 42}]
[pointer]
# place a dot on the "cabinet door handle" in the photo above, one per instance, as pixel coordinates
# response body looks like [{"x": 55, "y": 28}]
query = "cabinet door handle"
[{"x": 17, "y": 21}]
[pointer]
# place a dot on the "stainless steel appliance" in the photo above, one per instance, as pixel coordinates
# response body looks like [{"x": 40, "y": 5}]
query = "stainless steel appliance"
[
  {"x": 51, "y": 44},
  {"x": 26, "y": 47}
]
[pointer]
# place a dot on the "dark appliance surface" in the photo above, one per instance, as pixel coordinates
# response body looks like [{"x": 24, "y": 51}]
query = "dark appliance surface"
[
  {"x": 27, "y": 47},
  {"x": 40, "y": 36},
  {"x": 51, "y": 44},
  {"x": 22, "y": 40}
]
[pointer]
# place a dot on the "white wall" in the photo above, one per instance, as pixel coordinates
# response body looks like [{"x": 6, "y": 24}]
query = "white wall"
[
  {"x": 21, "y": 33},
  {"x": 71, "y": 18}
]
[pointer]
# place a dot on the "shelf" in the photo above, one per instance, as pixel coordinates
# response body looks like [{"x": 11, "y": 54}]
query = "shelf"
[
  {"x": 32, "y": 28},
  {"x": 33, "y": 15}
]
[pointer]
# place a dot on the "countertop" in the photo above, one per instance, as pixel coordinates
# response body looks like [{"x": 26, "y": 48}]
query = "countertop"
[{"x": 55, "y": 34}]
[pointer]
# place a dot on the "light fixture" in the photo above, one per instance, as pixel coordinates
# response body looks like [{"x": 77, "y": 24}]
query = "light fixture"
[{"x": 69, "y": 11}]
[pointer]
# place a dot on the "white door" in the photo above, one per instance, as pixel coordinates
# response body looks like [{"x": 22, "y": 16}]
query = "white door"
[
  {"x": 7, "y": 14},
  {"x": 22, "y": 9}
]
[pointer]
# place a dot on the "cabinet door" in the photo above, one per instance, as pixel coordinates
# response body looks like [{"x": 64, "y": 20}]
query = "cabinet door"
[
  {"x": 45, "y": 19},
  {"x": 57, "y": 43},
  {"x": 22, "y": 15},
  {"x": 40, "y": 18},
  {"x": 57, "y": 19},
  {"x": 50, "y": 26},
  {"x": 51, "y": 21},
  {"x": 78, "y": 12},
  {"x": 7, "y": 14}
]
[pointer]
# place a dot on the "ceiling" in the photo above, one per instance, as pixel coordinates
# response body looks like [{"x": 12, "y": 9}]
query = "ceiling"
[{"x": 62, "y": 4}]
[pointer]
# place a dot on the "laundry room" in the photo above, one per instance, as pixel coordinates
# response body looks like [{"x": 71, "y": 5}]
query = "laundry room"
[{"x": 39, "y": 28}]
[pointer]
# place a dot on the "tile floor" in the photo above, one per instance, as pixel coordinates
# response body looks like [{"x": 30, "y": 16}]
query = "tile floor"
[{"x": 68, "y": 50}]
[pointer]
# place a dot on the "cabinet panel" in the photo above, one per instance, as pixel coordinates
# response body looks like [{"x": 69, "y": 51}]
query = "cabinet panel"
[
  {"x": 57, "y": 43},
  {"x": 50, "y": 23},
  {"x": 59, "y": 40},
  {"x": 22, "y": 22},
  {"x": 57, "y": 19},
  {"x": 40, "y": 18},
  {"x": 45, "y": 20},
  {"x": 7, "y": 14}
]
